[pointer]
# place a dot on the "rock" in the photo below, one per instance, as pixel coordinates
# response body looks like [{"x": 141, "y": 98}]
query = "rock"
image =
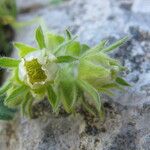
[
  {"x": 126, "y": 125},
  {"x": 141, "y": 6}
]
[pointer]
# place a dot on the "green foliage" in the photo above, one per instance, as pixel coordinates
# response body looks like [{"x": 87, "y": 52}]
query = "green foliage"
[
  {"x": 8, "y": 11},
  {"x": 40, "y": 38},
  {"x": 6, "y": 62},
  {"x": 24, "y": 49},
  {"x": 71, "y": 71},
  {"x": 63, "y": 59},
  {"x": 5, "y": 112}
]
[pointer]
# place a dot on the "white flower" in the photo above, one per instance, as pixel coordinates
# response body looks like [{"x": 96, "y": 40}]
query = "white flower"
[{"x": 37, "y": 68}]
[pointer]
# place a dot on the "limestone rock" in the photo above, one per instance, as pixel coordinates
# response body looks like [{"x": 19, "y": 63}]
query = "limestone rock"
[{"x": 126, "y": 126}]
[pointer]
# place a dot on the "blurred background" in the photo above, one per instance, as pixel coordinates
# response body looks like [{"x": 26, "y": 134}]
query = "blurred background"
[{"x": 92, "y": 21}]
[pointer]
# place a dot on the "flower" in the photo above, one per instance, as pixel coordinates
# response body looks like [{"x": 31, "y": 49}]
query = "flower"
[
  {"x": 63, "y": 70},
  {"x": 37, "y": 68}
]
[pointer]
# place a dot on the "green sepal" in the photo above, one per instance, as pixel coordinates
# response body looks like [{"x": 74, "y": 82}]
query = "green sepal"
[
  {"x": 116, "y": 45},
  {"x": 5, "y": 87},
  {"x": 63, "y": 46},
  {"x": 96, "y": 75},
  {"x": 6, "y": 62},
  {"x": 68, "y": 34},
  {"x": 24, "y": 49},
  {"x": 14, "y": 97},
  {"x": 53, "y": 41},
  {"x": 5, "y": 112},
  {"x": 73, "y": 49},
  {"x": 52, "y": 97},
  {"x": 112, "y": 86},
  {"x": 86, "y": 87},
  {"x": 84, "y": 48},
  {"x": 122, "y": 82},
  {"x": 68, "y": 90},
  {"x": 24, "y": 104},
  {"x": 29, "y": 107},
  {"x": 65, "y": 59},
  {"x": 86, "y": 105},
  {"x": 106, "y": 91},
  {"x": 96, "y": 49},
  {"x": 40, "y": 38}
]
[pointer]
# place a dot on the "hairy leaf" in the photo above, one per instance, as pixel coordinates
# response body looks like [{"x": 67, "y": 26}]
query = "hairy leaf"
[
  {"x": 97, "y": 75},
  {"x": 68, "y": 90},
  {"x": 5, "y": 112},
  {"x": 92, "y": 92},
  {"x": 63, "y": 45},
  {"x": 53, "y": 41},
  {"x": 6, "y": 62},
  {"x": 121, "y": 81},
  {"x": 84, "y": 48},
  {"x": 73, "y": 49},
  {"x": 5, "y": 87},
  {"x": 24, "y": 49},
  {"x": 14, "y": 97},
  {"x": 68, "y": 34},
  {"x": 24, "y": 104},
  {"x": 52, "y": 97},
  {"x": 115, "y": 45},
  {"x": 65, "y": 59},
  {"x": 95, "y": 49},
  {"x": 29, "y": 107},
  {"x": 40, "y": 38}
]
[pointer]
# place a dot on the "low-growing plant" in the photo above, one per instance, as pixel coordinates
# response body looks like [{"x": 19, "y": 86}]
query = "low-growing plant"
[{"x": 63, "y": 70}]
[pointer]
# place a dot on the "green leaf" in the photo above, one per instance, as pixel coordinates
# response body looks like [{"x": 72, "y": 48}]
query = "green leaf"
[
  {"x": 68, "y": 34},
  {"x": 29, "y": 107},
  {"x": 40, "y": 38},
  {"x": 122, "y": 82},
  {"x": 5, "y": 87},
  {"x": 14, "y": 97},
  {"x": 64, "y": 44},
  {"x": 116, "y": 44},
  {"x": 52, "y": 97},
  {"x": 99, "y": 59},
  {"x": 97, "y": 75},
  {"x": 73, "y": 49},
  {"x": 24, "y": 49},
  {"x": 6, "y": 62},
  {"x": 95, "y": 49},
  {"x": 65, "y": 59},
  {"x": 106, "y": 91},
  {"x": 84, "y": 48},
  {"x": 5, "y": 112},
  {"x": 53, "y": 41},
  {"x": 68, "y": 90},
  {"x": 24, "y": 104},
  {"x": 112, "y": 86},
  {"x": 92, "y": 92}
]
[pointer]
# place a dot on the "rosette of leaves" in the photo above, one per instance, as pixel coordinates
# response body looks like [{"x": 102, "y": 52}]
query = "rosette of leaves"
[{"x": 63, "y": 70}]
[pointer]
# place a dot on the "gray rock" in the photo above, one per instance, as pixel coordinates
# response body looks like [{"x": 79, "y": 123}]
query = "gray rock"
[
  {"x": 141, "y": 6},
  {"x": 126, "y": 126}
]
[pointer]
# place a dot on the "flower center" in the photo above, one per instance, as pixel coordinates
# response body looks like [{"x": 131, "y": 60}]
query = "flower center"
[{"x": 34, "y": 71}]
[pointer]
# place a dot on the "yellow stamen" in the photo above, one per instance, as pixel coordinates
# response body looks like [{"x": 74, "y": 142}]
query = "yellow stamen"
[{"x": 34, "y": 71}]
